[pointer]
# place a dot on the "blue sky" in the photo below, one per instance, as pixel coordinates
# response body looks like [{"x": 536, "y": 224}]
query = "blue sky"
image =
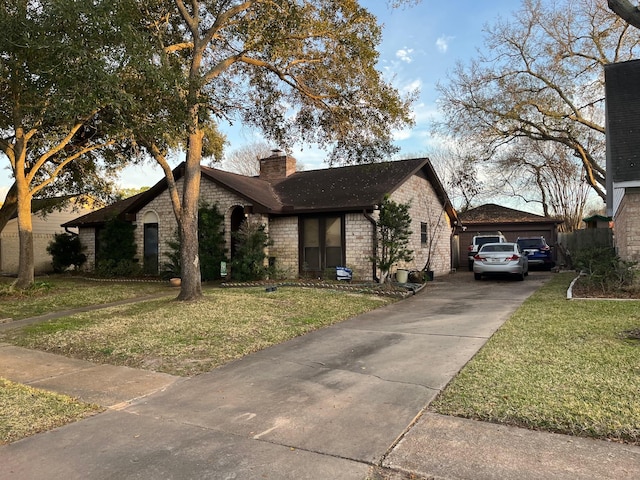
[{"x": 420, "y": 45}]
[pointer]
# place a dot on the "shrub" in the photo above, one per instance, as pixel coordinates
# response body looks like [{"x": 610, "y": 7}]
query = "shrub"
[
  {"x": 249, "y": 259},
  {"x": 66, "y": 251},
  {"x": 211, "y": 241},
  {"x": 604, "y": 269},
  {"x": 210, "y": 246},
  {"x": 393, "y": 230},
  {"x": 118, "y": 268},
  {"x": 117, "y": 250},
  {"x": 172, "y": 268}
]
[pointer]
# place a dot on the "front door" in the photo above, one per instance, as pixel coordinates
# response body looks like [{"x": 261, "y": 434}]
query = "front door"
[
  {"x": 151, "y": 248},
  {"x": 322, "y": 244}
]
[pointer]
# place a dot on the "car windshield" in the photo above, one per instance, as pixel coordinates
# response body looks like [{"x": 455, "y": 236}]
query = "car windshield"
[
  {"x": 505, "y": 247},
  {"x": 530, "y": 243},
  {"x": 483, "y": 240}
]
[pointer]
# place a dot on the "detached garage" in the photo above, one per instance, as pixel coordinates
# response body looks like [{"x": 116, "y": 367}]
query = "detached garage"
[{"x": 512, "y": 223}]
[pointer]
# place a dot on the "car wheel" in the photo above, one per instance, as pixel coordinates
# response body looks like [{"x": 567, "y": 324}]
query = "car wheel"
[
  {"x": 477, "y": 276},
  {"x": 521, "y": 277}
]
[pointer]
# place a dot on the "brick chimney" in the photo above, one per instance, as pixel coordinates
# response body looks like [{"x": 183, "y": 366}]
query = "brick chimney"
[{"x": 277, "y": 166}]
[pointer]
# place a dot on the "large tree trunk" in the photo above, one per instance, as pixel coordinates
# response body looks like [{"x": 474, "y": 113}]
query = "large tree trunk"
[
  {"x": 26, "y": 262},
  {"x": 191, "y": 287}
]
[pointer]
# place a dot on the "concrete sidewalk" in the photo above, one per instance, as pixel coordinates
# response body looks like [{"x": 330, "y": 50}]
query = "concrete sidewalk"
[{"x": 345, "y": 402}]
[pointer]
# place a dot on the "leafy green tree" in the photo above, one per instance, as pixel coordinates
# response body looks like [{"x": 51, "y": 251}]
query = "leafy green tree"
[
  {"x": 60, "y": 67},
  {"x": 296, "y": 70},
  {"x": 211, "y": 241},
  {"x": 66, "y": 251},
  {"x": 393, "y": 231}
]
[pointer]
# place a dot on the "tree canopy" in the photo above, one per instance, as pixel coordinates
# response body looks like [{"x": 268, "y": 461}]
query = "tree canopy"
[
  {"x": 60, "y": 68},
  {"x": 297, "y": 71}
]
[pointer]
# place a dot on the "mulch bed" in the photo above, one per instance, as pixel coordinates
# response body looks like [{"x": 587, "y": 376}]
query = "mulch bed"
[{"x": 581, "y": 289}]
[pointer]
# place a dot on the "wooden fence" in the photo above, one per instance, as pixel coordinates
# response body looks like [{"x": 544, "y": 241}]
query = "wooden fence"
[{"x": 568, "y": 243}]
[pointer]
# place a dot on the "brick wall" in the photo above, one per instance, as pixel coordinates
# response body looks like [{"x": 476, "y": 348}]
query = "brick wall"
[
  {"x": 210, "y": 194},
  {"x": 426, "y": 208},
  {"x": 283, "y": 231},
  {"x": 359, "y": 233},
  {"x": 88, "y": 241},
  {"x": 627, "y": 226}
]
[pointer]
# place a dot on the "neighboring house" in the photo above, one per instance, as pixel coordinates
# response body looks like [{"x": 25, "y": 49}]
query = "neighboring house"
[
  {"x": 622, "y": 90},
  {"x": 47, "y": 219},
  {"x": 512, "y": 223},
  {"x": 316, "y": 219},
  {"x": 597, "y": 221}
]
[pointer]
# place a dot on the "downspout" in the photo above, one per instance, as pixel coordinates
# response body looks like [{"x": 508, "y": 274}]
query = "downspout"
[{"x": 374, "y": 241}]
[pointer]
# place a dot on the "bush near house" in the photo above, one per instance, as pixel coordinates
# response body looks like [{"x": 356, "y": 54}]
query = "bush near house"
[
  {"x": 393, "y": 230},
  {"x": 117, "y": 250},
  {"x": 605, "y": 270},
  {"x": 249, "y": 259},
  {"x": 66, "y": 251},
  {"x": 211, "y": 249}
]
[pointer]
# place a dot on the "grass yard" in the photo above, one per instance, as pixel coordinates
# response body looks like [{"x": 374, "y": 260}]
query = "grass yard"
[
  {"x": 191, "y": 338},
  {"x": 26, "y": 411},
  {"x": 563, "y": 366},
  {"x": 161, "y": 335},
  {"x": 55, "y": 293}
]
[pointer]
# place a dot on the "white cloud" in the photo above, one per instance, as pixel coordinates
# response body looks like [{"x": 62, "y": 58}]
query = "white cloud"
[
  {"x": 404, "y": 54},
  {"x": 442, "y": 43}
]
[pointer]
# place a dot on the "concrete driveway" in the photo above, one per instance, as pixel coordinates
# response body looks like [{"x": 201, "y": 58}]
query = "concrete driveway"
[{"x": 327, "y": 405}]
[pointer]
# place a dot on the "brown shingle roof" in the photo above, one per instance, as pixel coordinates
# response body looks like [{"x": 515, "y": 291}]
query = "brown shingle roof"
[
  {"x": 344, "y": 188},
  {"x": 492, "y": 213},
  {"x": 333, "y": 189},
  {"x": 101, "y": 216}
]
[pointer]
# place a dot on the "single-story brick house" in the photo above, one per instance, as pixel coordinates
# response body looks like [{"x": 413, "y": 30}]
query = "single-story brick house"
[
  {"x": 622, "y": 93},
  {"x": 316, "y": 219}
]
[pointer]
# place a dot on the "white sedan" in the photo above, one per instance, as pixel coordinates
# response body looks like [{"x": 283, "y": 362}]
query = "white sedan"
[{"x": 500, "y": 258}]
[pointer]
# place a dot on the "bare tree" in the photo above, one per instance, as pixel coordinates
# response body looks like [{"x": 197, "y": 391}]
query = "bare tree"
[
  {"x": 547, "y": 175},
  {"x": 542, "y": 79},
  {"x": 245, "y": 160},
  {"x": 458, "y": 170}
]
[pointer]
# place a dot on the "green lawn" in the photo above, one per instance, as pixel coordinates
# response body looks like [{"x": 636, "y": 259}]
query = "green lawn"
[
  {"x": 161, "y": 335},
  {"x": 194, "y": 337},
  {"x": 557, "y": 365},
  {"x": 55, "y": 293},
  {"x": 25, "y": 411}
]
